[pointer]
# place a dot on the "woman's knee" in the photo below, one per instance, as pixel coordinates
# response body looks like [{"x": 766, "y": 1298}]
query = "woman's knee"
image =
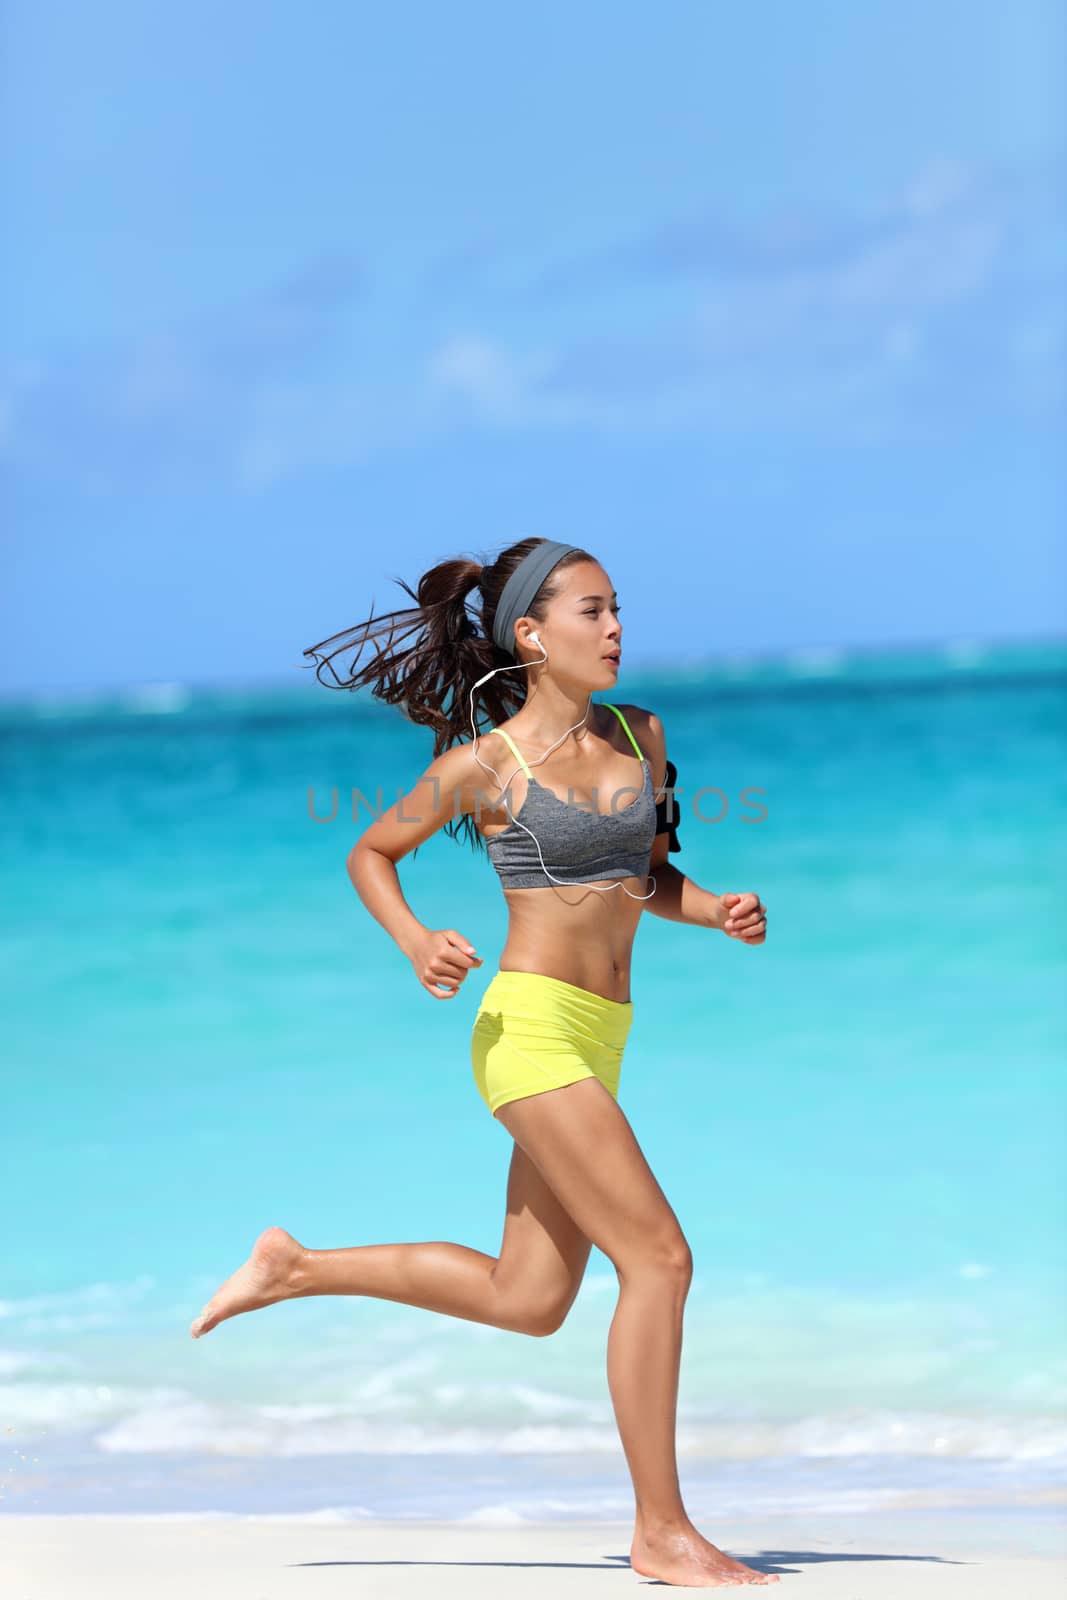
[
  {"x": 548, "y": 1319},
  {"x": 581, "y": 1142},
  {"x": 538, "y": 1318},
  {"x": 664, "y": 1255}
]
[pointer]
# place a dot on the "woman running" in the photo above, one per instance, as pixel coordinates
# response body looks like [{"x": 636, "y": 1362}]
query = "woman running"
[{"x": 579, "y": 857}]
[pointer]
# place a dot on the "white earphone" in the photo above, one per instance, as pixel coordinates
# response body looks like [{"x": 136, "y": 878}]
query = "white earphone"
[{"x": 600, "y": 889}]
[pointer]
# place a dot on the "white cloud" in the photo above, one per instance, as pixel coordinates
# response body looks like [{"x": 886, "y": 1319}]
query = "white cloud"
[
  {"x": 936, "y": 300},
  {"x": 937, "y": 185},
  {"x": 495, "y": 382}
]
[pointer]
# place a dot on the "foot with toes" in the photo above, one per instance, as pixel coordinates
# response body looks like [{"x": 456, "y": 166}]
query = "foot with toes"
[
  {"x": 271, "y": 1273},
  {"x": 686, "y": 1558}
]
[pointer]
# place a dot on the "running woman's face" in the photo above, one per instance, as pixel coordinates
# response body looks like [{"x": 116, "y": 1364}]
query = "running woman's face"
[{"x": 582, "y": 633}]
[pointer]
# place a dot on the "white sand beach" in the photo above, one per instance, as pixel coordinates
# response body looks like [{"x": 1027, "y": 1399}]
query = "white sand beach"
[{"x": 923, "y": 1556}]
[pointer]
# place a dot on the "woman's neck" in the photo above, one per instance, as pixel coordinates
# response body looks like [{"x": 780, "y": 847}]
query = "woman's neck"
[{"x": 550, "y": 710}]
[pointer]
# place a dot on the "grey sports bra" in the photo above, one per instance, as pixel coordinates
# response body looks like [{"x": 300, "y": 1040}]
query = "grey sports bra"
[{"x": 578, "y": 845}]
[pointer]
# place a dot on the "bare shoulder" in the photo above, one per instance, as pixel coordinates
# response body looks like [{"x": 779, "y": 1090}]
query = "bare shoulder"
[
  {"x": 477, "y": 777},
  {"x": 647, "y": 729},
  {"x": 459, "y": 770},
  {"x": 494, "y": 750},
  {"x": 649, "y": 732}
]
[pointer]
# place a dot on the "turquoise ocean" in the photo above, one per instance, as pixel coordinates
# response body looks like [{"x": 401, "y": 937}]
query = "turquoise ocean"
[{"x": 861, "y": 1126}]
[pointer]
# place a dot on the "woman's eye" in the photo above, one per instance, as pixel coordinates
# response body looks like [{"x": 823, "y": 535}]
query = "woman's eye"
[{"x": 617, "y": 610}]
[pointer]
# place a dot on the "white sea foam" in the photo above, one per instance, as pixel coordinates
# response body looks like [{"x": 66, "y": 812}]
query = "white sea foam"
[
  {"x": 816, "y": 661},
  {"x": 545, "y": 1404},
  {"x": 58, "y": 1407},
  {"x": 444, "y": 1387},
  {"x": 965, "y": 652},
  {"x": 65, "y": 1310},
  {"x": 496, "y": 1516},
  {"x": 15, "y": 1361},
  {"x": 172, "y": 1421},
  {"x": 153, "y": 698},
  {"x": 326, "y": 1515}
]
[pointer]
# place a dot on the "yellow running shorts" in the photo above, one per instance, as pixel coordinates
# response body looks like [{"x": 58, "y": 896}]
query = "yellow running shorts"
[{"x": 533, "y": 1033}]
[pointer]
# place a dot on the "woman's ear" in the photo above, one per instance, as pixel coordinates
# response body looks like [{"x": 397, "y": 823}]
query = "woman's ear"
[{"x": 528, "y": 636}]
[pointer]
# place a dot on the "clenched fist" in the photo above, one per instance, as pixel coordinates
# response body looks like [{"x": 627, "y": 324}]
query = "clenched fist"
[
  {"x": 746, "y": 918},
  {"x": 442, "y": 958}
]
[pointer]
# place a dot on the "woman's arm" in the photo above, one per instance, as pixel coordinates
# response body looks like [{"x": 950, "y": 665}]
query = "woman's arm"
[
  {"x": 377, "y": 882},
  {"x": 677, "y": 898},
  {"x": 444, "y": 791}
]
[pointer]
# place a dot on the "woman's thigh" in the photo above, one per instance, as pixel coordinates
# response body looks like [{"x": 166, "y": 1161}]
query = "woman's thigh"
[
  {"x": 580, "y": 1140},
  {"x": 544, "y": 1253}
]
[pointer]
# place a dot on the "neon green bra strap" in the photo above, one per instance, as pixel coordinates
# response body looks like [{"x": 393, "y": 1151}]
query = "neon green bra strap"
[
  {"x": 626, "y": 725},
  {"x": 517, "y": 753}
]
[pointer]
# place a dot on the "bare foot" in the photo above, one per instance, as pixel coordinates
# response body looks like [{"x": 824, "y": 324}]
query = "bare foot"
[
  {"x": 269, "y": 1275},
  {"x": 686, "y": 1558}
]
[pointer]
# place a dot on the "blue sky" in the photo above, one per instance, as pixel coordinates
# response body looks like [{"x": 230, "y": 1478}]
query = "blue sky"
[{"x": 765, "y": 305}]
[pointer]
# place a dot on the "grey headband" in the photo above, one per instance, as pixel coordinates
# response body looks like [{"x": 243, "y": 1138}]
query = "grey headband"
[{"x": 521, "y": 587}]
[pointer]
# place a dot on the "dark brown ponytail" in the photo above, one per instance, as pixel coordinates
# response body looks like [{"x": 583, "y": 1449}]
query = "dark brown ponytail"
[{"x": 429, "y": 656}]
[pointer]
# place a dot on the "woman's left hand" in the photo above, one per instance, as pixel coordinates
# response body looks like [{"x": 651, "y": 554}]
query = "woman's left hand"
[{"x": 746, "y": 918}]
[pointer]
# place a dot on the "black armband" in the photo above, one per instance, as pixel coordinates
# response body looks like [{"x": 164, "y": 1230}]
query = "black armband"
[{"x": 668, "y": 811}]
